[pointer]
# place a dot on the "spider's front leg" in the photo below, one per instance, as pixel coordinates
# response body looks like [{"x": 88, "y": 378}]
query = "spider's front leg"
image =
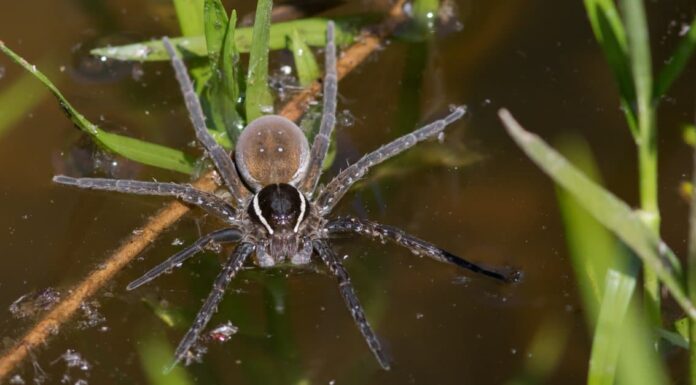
[
  {"x": 328, "y": 256},
  {"x": 220, "y": 236},
  {"x": 416, "y": 245},
  {"x": 232, "y": 266},
  {"x": 186, "y": 193},
  {"x": 220, "y": 157}
]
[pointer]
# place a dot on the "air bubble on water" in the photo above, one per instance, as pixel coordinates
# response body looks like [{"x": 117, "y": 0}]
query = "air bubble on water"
[
  {"x": 286, "y": 70},
  {"x": 441, "y": 137},
  {"x": 16, "y": 380},
  {"x": 419, "y": 315},
  {"x": 513, "y": 350},
  {"x": 345, "y": 119},
  {"x": 137, "y": 231},
  {"x": 177, "y": 242}
]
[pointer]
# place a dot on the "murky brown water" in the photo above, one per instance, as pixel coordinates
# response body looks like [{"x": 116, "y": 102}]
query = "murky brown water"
[{"x": 538, "y": 58}]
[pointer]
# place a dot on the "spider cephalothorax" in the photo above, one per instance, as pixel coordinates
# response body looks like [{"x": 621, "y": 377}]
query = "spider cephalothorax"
[{"x": 274, "y": 212}]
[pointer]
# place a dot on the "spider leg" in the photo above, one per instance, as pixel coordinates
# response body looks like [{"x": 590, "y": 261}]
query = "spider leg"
[
  {"x": 328, "y": 256},
  {"x": 328, "y": 118},
  {"x": 223, "y": 162},
  {"x": 232, "y": 266},
  {"x": 186, "y": 193},
  {"x": 416, "y": 245},
  {"x": 339, "y": 185},
  {"x": 220, "y": 236}
]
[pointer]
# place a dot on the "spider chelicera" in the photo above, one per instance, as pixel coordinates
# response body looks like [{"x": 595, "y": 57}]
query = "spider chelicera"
[{"x": 277, "y": 213}]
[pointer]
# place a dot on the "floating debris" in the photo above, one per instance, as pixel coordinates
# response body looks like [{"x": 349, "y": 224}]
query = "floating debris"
[
  {"x": 91, "y": 315},
  {"x": 30, "y": 304},
  {"x": 223, "y": 333}
]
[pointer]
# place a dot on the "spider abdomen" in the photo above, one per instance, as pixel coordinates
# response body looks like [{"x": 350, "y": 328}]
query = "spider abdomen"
[{"x": 272, "y": 149}]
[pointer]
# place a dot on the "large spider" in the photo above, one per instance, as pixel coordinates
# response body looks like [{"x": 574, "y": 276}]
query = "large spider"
[{"x": 274, "y": 213}]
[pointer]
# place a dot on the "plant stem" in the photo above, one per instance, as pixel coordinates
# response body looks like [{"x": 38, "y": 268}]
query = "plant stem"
[{"x": 691, "y": 276}]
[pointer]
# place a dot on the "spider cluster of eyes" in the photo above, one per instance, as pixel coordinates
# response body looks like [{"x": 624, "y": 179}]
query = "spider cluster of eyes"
[{"x": 275, "y": 211}]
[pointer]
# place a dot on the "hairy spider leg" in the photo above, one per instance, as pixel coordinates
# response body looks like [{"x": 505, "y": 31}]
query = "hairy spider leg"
[
  {"x": 328, "y": 256},
  {"x": 222, "y": 160},
  {"x": 328, "y": 118},
  {"x": 416, "y": 245},
  {"x": 186, "y": 193},
  {"x": 232, "y": 266},
  {"x": 339, "y": 185},
  {"x": 220, "y": 236}
]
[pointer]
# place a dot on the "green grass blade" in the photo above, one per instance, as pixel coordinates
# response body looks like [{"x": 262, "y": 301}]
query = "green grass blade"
[
  {"x": 305, "y": 63},
  {"x": 18, "y": 98},
  {"x": 312, "y": 29},
  {"x": 151, "y": 154},
  {"x": 259, "y": 100},
  {"x": 215, "y": 21},
  {"x": 676, "y": 64},
  {"x": 190, "y": 16},
  {"x": 639, "y": 52},
  {"x": 691, "y": 277},
  {"x": 610, "y": 34},
  {"x": 135, "y": 149},
  {"x": 607, "y": 340},
  {"x": 606, "y": 208},
  {"x": 593, "y": 250},
  {"x": 222, "y": 89}
]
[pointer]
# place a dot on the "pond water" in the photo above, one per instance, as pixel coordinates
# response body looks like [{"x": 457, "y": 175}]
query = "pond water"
[{"x": 491, "y": 204}]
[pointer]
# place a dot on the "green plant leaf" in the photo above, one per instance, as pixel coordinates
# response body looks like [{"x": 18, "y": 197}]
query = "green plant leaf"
[
  {"x": 611, "y": 36},
  {"x": 606, "y": 344},
  {"x": 676, "y": 64},
  {"x": 222, "y": 91},
  {"x": 19, "y": 97},
  {"x": 606, "y": 208},
  {"x": 190, "y": 16},
  {"x": 305, "y": 63},
  {"x": 135, "y": 149},
  {"x": 215, "y": 22},
  {"x": 259, "y": 100},
  {"x": 312, "y": 29}
]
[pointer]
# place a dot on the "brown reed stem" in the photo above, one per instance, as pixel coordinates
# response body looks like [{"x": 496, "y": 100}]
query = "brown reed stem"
[{"x": 50, "y": 323}]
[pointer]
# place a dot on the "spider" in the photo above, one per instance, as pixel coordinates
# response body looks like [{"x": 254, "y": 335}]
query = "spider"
[{"x": 276, "y": 212}]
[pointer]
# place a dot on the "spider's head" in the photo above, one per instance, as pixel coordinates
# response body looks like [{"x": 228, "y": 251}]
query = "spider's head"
[
  {"x": 271, "y": 149},
  {"x": 279, "y": 208}
]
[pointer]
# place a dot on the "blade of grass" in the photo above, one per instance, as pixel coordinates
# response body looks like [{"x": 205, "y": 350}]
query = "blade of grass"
[
  {"x": 676, "y": 64},
  {"x": 18, "y": 98},
  {"x": 591, "y": 259},
  {"x": 135, "y": 149},
  {"x": 222, "y": 90},
  {"x": 691, "y": 265},
  {"x": 215, "y": 23},
  {"x": 641, "y": 68},
  {"x": 606, "y": 208},
  {"x": 190, "y": 16},
  {"x": 258, "y": 96},
  {"x": 596, "y": 255},
  {"x": 312, "y": 29},
  {"x": 611, "y": 36},
  {"x": 305, "y": 63}
]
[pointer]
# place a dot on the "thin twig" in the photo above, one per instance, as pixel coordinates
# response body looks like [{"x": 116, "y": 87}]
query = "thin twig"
[{"x": 51, "y": 322}]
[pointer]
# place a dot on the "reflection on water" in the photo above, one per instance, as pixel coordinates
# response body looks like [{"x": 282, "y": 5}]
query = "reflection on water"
[{"x": 489, "y": 204}]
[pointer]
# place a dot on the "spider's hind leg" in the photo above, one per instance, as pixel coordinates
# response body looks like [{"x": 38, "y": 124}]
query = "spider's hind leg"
[
  {"x": 416, "y": 245},
  {"x": 328, "y": 256},
  {"x": 220, "y": 236},
  {"x": 230, "y": 269}
]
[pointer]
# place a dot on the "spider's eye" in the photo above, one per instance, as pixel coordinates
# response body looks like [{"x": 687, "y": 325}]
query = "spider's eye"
[
  {"x": 279, "y": 208},
  {"x": 271, "y": 149}
]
